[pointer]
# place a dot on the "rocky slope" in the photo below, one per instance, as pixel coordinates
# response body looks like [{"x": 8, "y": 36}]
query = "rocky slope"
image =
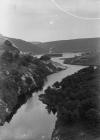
[
  {"x": 21, "y": 74},
  {"x": 76, "y": 103}
]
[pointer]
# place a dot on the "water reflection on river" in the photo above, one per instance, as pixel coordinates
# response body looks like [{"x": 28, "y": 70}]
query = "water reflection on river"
[{"x": 32, "y": 121}]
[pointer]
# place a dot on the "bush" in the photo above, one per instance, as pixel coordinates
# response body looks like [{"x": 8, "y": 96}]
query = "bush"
[{"x": 45, "y": 58}]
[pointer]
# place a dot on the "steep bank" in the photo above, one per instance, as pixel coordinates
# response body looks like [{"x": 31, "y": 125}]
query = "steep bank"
[
  {"x": 75, "y": 101},
  {"x": 20, "y": 75}
]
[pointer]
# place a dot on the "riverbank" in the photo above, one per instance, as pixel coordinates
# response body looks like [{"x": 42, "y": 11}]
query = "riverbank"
[
  {"x": 75, "y": 101},
  {"x": 21, "y": 75},
  {"x": 32, "y": 120},
  {"x": 85, "y": 59}
]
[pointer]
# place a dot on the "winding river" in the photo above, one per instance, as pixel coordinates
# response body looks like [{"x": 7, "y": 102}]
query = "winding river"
[{"x": 32, "y": 122}]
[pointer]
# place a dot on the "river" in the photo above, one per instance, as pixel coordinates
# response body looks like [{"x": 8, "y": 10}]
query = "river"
[{"x": 32, "y": 122}]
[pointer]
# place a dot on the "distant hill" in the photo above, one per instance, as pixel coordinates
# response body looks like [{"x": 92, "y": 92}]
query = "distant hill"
[
  {"x": 27, "y": 46},
  {"x": 61, "y": 46},
  {"x": 86, "y": 59},
  {"x": 75, "y": 45},
  {"x": 21, "y": 74},
  {"x": 23, "y": 45},
  {"x": 2, "y": 39},
  {"x": 37, "y": 43}
]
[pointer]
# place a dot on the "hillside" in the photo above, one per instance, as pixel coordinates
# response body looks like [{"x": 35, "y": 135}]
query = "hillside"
[
  {"x": 23, "y": 46},
  {"x": 2, "y": 39},
  {"x": 61, "y": 46},
  {"x": 76, "y": 103},
  {"x": 20, "y": 76},
  {"x": 87, "y": 58},
  {"x": 75, "y": 45}
]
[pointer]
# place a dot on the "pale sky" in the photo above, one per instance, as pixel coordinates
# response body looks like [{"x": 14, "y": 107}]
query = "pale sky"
[{"x": 45, "y": 20}]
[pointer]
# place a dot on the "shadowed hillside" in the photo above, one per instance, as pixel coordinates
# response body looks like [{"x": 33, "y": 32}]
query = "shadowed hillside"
[
  {"x": 75, "y": 45},
  {"x": 75, "y": 100},
  {"x": 23, "y": 46},
  {"x": 27, "y": 46},
  {"x": 61, "y": 46}
]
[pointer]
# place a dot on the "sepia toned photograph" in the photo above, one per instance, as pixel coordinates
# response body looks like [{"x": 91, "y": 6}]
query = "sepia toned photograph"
[{"x": 49, "y": 69}]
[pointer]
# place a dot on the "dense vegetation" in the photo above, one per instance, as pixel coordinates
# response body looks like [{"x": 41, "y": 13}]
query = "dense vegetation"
[
  {"x": 75, "y": 100},
  {"x": 20, "y": 75}
]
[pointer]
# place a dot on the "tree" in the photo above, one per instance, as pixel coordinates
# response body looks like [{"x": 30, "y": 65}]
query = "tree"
[{"x": 45, "y": 58}]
